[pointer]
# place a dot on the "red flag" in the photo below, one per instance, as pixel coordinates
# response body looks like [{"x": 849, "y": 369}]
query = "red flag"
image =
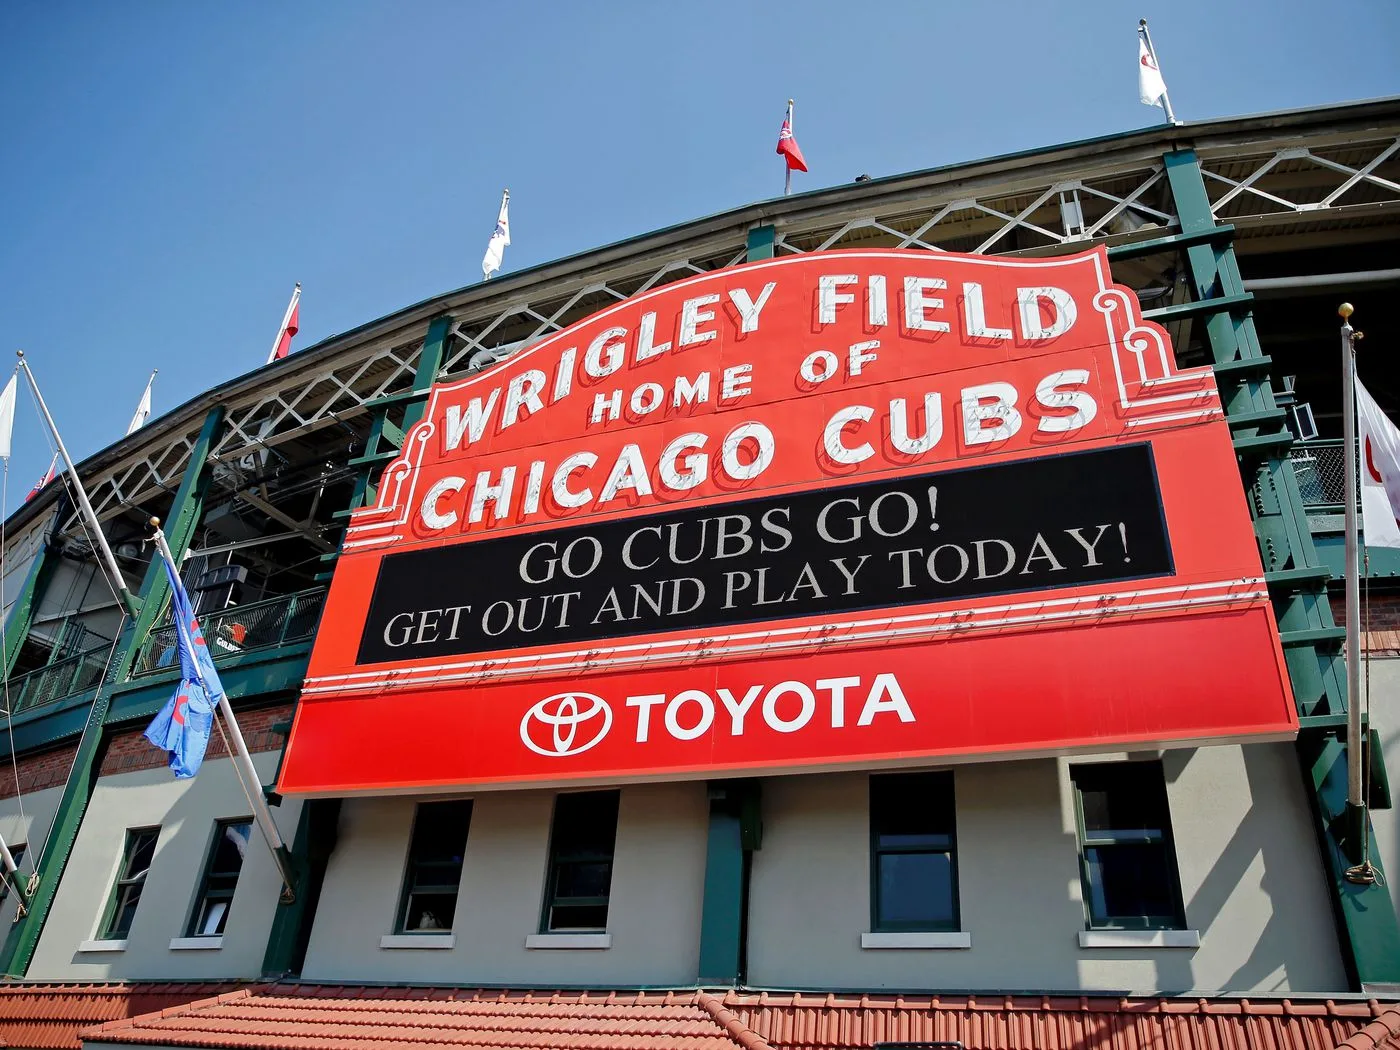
[
  {"x": 283, "y": 346},
  {"x": 284, "y": 343},
  {"x": 48, "y": 476},
  {"x": 788, "y": 147}
]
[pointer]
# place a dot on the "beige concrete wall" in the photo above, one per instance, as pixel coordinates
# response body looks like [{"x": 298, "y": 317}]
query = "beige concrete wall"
[
  {"x": 185, "y": 811},
  {"x": 1250, "y": 873},
  {"x": 1385, "y": 719},
  {"x": 25, "y": 820},
  {"x": 653, "y": 915}
]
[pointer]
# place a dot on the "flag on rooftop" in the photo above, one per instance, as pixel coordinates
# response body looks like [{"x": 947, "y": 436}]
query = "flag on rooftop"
[
  {"x": 290, "y": 323},
  {"x": 182, "y": 727},
  {"x": 1152, "y": 89},
  {"x": 1380, "y": 472},
  {"x": 787, "y": 144},
  {"x": 7, "y": 415},
  {"x": 143, "y": 410},
  {"x": 500, "y": 237},
  {"x": 48, "y": 476}
]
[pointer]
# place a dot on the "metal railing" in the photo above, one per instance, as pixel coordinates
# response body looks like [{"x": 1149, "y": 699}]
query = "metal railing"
[
  {"x": 239, "y": 629},
  {"x": 1321, "y": 474},
  {"x": 66, "y": 677}
]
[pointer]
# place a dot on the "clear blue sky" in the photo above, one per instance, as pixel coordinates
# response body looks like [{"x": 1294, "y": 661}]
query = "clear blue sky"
[{"x": 169, "y": 169}]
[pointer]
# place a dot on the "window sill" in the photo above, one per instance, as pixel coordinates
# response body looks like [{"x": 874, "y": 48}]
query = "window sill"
[
  {"x": 915, "y": 939},
  {"x": 569, "y": 941},
  {"x": 1139, "y": 939},
  {"x": 420, "y": 941},
  {"x": 194, "y": 944},
  {"x": 102, "y": 946}
]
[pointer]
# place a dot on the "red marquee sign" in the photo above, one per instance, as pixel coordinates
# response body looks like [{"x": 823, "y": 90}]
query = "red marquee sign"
[{"x": 832, "y": 510}]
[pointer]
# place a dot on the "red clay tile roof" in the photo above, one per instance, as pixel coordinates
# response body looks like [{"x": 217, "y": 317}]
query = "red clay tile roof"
[
  {"x": 372, "y": 1019},
  {"x": 51, "y": 1015},
  {"x": 1004, "y": 1022},
  {"x": 335, "y": 1017}
]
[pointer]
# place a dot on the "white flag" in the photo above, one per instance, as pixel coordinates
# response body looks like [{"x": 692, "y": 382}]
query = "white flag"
[
  {"x": 1380, "y": 472},
  {"x": 7, "y": 415},
  {"x": 1152, "y": 89},
  {"x": 496, "y": 247},
  {"x": 143, "y": 410}
]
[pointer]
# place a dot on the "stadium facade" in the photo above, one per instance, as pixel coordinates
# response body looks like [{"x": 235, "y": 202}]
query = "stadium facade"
[{"x": 1040, "y": 782}]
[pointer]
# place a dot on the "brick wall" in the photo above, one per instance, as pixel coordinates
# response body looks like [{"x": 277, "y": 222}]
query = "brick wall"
[
  {"x": 1382, "y": 619},
  {"x": 37, "y": 772},
  {"x": 129, "y": 751}
]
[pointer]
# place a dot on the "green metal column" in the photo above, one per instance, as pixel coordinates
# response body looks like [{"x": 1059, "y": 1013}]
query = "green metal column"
[
  {"x": 735, "y": 832},
  {"x": 734, "y": 825},
  {"x": 1366, "y": 920},
  {"x": 155, "y": 589},
  {"x": 36, "y": 581},
  {"x": 761, "y": 241}
]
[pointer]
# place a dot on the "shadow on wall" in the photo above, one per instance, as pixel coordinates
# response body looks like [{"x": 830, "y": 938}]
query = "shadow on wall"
[{"x": 1286, "y": 954}]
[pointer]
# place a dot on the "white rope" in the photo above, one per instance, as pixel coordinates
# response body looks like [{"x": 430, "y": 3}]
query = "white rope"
[{"x": 5, "y": 663}]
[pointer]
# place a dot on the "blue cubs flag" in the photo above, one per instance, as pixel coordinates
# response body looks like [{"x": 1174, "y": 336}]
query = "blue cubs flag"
[{"x": 182, "y": 728}]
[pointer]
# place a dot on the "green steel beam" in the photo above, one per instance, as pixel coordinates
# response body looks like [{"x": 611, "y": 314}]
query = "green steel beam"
[
  {"x": 317, "y": 829},
  {"x": 36, "y": 581},
  {"x": 761, "y": 242},
  {"x": 1365, "y": 915},
  {"x": 23, "y": 938},
  {"x": 733, "y": 836}
]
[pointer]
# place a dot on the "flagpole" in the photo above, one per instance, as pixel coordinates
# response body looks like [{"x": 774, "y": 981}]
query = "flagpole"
[
  {"x": 286, "y": 319},
  {"x": 1166, "y": 99},
  {"x": 787, "y": 166},
  {"x": 12, "y": 872},
  {"x": 139, "y": 420},
  {"x": 1356, "y": 812},
  {"x": 118, "y": 580},
  {"x": 243, "y": 762}
]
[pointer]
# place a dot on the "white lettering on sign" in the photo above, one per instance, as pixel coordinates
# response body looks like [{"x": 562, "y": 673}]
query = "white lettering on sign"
[{"x": 785, "y": 707}]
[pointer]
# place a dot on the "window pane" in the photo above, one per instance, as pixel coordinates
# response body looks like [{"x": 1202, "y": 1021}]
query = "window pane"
[
  {"x": 127, "y": 899},
  {"x": 1124, "y": 796},
  {"x": 231, "y": 846},
  {"x": 578, "y": 917},
  {"x": 912, "y": 809},
  {"x": 221, "y": 869},
  {"x": 583, "y": 879},
  {"x": 141, "y": 851},
  {"x": 434, "y": 870},
  {"x": 585, "y": 823},
  {"x": 211, "y": 919},
  {"x": 430, "y": 911},
  {"x": 1129, "y": 866},
  {"x": 1130, "y": 883},
  {"x": 440, "y": 830},
  {"x": 581, "y": 841},
  {"x": 916, "y": 889}
]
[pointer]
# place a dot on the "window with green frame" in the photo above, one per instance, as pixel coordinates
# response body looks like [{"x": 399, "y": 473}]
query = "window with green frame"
[
  {"x": 581, "y": 842},
  {"x": 137, "y": 855},
  {"x": 434, "y": 871},
  {"x": 17, "y": 855},
  {"x": 220, "y": 879},
  {"x": 1127, "y": 860},
  {"x": 913, "y": 852}
]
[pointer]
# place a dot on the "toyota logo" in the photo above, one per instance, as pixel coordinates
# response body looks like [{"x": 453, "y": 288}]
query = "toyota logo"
[{"x": 565, "y": 724}]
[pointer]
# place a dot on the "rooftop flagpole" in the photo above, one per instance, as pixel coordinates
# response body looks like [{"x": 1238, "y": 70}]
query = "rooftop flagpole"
[
  {"x": 128, "y": 599},
  {"x": 1356, "y": 811},
  {"x": 1166, "y": 99},
  {"x": 286, "y": 320},
  {"x": 787, "y": 178},
  {"x": 242, "y": 761}
]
